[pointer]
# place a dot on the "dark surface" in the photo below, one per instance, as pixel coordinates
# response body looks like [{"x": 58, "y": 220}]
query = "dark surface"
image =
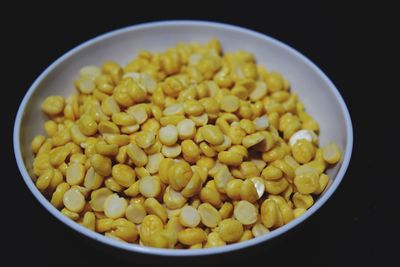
[{"x": 355, "y": 226}]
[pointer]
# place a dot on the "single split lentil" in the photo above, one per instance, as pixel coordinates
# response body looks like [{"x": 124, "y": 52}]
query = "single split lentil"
[{"x": 187, "y": 148}]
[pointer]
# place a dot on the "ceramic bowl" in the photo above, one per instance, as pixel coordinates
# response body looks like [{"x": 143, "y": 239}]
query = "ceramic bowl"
[{"x": 320, "y": 96}]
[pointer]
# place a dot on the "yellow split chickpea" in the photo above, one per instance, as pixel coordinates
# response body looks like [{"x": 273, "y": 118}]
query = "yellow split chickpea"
[
  {"x": 331, "y": 153},
  {"x": 212, "y": 134},
  {"x": 230, "y": 158},
  {"x": 229, "y": 103},
  {"x": 150, "y": 225},
  {"x": 303, "y": 151},
  {"x": 189, "y": 148},
  {"x": 189, "y": 216},
  {"x": 179, "y": 175},
  {"x": 190, "y": 151},
  {"x": 192, "y": 236},
  {"x": 230, "y": 230},
  {"x": 50, "y": 127},
  {"x": 271, "y": 173},
  {"x": 209, "y": 215},
  {"x": 75, "y": 174},
  {"x": 123, "y": 174},
  {"x": 245, "y": 212},
  {"x": 149, "y": 186},
  {"x": 74, "y": 200},
  {"x": 87, "y": 125},
  {"x": 193, "y": 107},
  {"x": 53, "y": 105},
  {"x": 214, "y": 240},
  {"x": 101, "y": 164},
  {"x": 211, "y": 195},
  {"x": 168, "y": 135},
  {"x": 306, "y": 179}
]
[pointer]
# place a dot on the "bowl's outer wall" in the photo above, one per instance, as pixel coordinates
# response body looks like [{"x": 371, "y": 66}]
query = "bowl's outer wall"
[{"x": 312, "y": 86}]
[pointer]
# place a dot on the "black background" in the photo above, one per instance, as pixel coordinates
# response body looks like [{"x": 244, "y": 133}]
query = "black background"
[{"x": 356, "y": 226}]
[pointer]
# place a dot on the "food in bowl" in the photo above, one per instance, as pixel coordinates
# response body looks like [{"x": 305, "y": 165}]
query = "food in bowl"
[{"x": 188, "y": 148}]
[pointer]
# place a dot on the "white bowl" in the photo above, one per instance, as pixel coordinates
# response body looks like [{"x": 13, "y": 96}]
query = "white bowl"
[{"x": 322, "y": 100}]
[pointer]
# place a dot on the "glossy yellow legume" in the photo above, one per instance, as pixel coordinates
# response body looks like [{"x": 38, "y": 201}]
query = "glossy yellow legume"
[
  {"x": 75, "y": 174},
  {"x": 151, "y": 224},
  {"x": 192, "y": 236},
  {"x": 53, "y": 105},
  {"x": 189, "y": 217},
  {"x": 222, "y": 178},
  {"x": 230, "y": 158},
  {"x": 271, "y": 173},
  {"x": 153, "y": 162},
  {"x": 186, "y": 129},
  {"x": 168, "y": 135},
  {"x": 92, "y": 179},
  {"x": 179, "y": 175},
  {"x": 302, "y": 201},
  {"x": 307, "y": 183},
  {"x": 159, "y": 240},
  {"x": 247, "y": 235},
  {"x": 105, "y": 149},
  {"x": 193, "y": 186},
  {"x": 229, "y": 103},
  {"x": 248, "y": 191},
  {"x": 303, "y": 151},
  {"x": 98, "y": 198},
  {"x": 276, "y": 186},
  {"x": 123, "y": 174},
  {"x": 111, "y": 184},
  {"x": 190, "y": 151},
  {"x": 259, "y": 230},
  {"x": 58, "y": 155},
  {"x": 252, "y": 139},
  {"x": 193, "y": 107},
  {"x": 74, "y": 200},
  {"x": 135, "y": 212},
  {"x": 37, "y": 143},
  {"x": 226, "y": 210},
  {"x": 210, "y": 195},
  {"x": 50, "y": 127},
  {"x": 323, "y": 183},
  {"x": 101, "y": 164},
  {"x": 245, "y": 212},
  {"x": 70, "y": 214},
  {"x": 331, "y": 153},
  {"x": 209, "y": 215},
  {"x": 214, "y": 240},
  {"x": 115, "y": 206},
  {"x": 233, "y": 189},
  {"x": 269, "y": 213},
  {"x": 149, "y": 186},
  {"x": 137, "y": 155},
  {"x": 173, "y": 199},
  {"x": 145, "y": 139},
  {"x": 58, "y": 195},
  {"x": 152, "y": 206},
  {"x": 171, "y": 151},
  {"x": 230, "y": 230},
  {"x": 212, "y": 134}
]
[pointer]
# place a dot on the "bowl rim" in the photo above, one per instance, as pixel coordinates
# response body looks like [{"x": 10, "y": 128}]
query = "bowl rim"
[{"x": 180, "y": 252}]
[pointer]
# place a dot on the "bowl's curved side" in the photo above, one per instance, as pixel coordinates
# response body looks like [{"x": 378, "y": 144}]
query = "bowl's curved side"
[{"x": 306, "y": 77}]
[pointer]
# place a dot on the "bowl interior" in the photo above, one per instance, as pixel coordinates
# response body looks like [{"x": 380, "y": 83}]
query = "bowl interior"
[{"x": 318, "y": 94}]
